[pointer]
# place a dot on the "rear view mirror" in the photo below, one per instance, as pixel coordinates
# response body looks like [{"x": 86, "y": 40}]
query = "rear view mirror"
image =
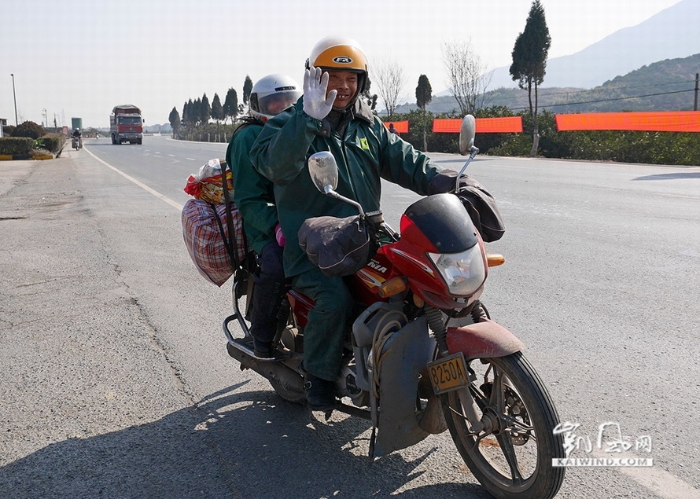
[
  {"x": 323, "y": 171},
  {"x": 466, "y": 135}
]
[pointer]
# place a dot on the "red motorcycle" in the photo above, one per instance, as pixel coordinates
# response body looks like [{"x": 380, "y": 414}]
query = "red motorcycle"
[{"x": 424, "y": 356}]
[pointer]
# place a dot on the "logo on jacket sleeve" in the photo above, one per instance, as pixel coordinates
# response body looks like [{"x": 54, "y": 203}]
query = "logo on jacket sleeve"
[{"x": 364, "y": 144}]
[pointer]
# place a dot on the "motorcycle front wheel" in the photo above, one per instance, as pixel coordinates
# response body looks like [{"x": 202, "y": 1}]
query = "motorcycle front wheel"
[{"x": 512, "y": 456}]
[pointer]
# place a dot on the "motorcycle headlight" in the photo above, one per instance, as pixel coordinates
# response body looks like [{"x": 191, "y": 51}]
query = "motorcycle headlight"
[{"x": 463, "y": 272}]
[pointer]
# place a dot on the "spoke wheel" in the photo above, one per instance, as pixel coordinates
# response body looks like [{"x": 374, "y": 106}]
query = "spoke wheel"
[{"x": 512, "y": 456}]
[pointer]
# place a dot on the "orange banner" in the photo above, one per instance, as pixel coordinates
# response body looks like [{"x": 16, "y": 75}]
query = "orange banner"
[
  {"x": 666, "y": 121},
  {"x": 511, "y": 124},
  {"x": 400, "y": 126}
]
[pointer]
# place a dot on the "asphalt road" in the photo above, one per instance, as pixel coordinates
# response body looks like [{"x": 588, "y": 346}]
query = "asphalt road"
[{"x": 115, "y": 381}]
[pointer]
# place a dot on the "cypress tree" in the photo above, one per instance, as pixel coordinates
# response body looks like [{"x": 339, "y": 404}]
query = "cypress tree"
[
  {"x": 247, "y": 88},
  {"x": 231, "y": 104},
  {"x": 530, "y": 61},
  {"x": 424, "y": 92}
]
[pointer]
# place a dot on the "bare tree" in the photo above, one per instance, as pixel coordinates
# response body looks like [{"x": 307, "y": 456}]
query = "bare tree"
[
  {"x": 467, "y": 75},
  {"x": 389, "y": 78}
]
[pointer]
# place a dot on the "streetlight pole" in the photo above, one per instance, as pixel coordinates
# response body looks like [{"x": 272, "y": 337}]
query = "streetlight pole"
[{"x": 15, "y": 96}]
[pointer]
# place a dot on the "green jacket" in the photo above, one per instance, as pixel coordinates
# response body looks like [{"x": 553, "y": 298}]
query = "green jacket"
[
  {"x": 252, "y": 193},
  {"x": 366, "y": 152}
]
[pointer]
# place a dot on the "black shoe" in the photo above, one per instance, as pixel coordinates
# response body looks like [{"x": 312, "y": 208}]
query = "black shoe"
[
  {"x": 320, "y": 393},
  {"x": 263, "y": 349}
]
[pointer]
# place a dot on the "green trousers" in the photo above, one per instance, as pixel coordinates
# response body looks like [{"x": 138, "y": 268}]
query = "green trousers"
[{"x": 327, "y": 322}]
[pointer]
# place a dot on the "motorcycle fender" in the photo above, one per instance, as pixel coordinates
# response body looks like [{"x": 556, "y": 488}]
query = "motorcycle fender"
[
  {"x": 486, "y": 339},
  {"x": 404, "y": 356}
]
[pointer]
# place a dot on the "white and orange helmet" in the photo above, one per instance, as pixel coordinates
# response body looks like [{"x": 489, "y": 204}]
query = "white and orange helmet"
[{"x": 336, "y": 53}]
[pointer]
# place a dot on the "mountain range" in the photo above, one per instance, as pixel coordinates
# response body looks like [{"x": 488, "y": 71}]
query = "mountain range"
[
  {"x": 666, "y": 85},
  {"x": 672, "y": 33},
  {"x": 658, "y": 56}
]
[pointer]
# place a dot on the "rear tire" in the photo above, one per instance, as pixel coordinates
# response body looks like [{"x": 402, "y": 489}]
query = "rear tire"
[
  {"x": 526, "y": 419},
  {"x": 290, "y": 395}
]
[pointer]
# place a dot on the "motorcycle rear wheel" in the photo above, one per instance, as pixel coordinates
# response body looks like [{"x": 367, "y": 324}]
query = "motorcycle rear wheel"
[
  {"x": 515, "y": 459},
  {"x": 289, "y": 394}
]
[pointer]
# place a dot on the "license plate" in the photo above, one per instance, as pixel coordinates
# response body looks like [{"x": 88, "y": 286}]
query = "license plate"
[{"x": 448, "y": 373}]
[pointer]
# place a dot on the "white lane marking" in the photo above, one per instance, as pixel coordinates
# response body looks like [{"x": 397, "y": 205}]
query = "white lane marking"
[
  {"x": 658, "y": 481},
  {"x": 143, "y": 186},
  {"x": 191, "y": 159},
  {"x": 662, "y": 483}
]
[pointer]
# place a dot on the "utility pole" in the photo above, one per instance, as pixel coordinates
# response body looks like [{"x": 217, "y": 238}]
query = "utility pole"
[
  {"x": 697, "y": 79},
  {"x": 15, "y": 96}
]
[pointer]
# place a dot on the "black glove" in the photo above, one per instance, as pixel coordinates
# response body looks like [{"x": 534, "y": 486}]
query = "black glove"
[
  {"x": 445, "y": 182},
  {"x": 479, "y": 203}
]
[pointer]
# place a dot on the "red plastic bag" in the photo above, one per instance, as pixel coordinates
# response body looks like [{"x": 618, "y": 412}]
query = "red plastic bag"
[{"x": 206, "y": 183}]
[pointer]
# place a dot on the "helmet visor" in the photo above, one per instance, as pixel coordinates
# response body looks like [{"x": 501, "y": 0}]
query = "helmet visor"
[{"x": 273, "y": 104}]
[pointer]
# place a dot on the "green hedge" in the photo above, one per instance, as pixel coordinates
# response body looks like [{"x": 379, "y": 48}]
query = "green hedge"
[
  {"x": 210, "y": 132},
  {"x": 16, "y": 145},
  {"x": 29, "y": 129},
  {"x": 670, "y": 148},
  {"x": 52, "y": 142}
]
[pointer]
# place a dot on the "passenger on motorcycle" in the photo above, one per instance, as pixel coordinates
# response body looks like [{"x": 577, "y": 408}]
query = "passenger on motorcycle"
[
  {"x": 253, "y": 194},
  {"x": 331, "y": 116}
]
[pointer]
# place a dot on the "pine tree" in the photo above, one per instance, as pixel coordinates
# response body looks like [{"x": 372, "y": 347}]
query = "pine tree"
[
  {"x": 205, "y": 110},
  {"x": 174, "y": 119},
  {"x": 247, "y": 88},
  {"x": 196, "y": 114},
  {"x": 189, "y": 115},
  {"x": 231, "y": 104},
  {"x": 424, "y": 92},
  {"x": 217, "y": 110},
  {"x": 530, "y": 61}
]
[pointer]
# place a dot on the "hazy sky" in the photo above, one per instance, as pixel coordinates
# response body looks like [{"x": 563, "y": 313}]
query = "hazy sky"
[{"x": 81, "y": 58}]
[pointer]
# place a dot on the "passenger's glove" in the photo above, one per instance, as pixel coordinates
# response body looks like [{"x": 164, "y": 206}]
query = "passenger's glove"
[
  {"x": 316, "y": 103},
  {"x": 279, "y": 235}
]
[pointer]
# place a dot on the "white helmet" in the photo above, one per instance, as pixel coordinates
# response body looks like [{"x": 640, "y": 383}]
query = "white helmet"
[{"x": 273, "y": 94}]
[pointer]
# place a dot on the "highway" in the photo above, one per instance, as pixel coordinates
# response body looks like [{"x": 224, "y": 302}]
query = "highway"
[{"x": 116, "y": 380}]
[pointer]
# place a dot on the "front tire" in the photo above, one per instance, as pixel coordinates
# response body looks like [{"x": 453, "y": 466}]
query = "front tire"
[{"x": 511, "y": 458}]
